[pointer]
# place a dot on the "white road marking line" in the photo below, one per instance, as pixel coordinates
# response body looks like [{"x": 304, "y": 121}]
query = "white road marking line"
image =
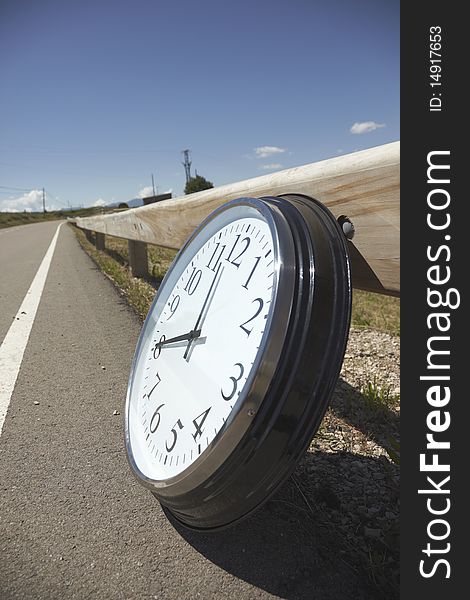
[{"x": 16, "y": 339}]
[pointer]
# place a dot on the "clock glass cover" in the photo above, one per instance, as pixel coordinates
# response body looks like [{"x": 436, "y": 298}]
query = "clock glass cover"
[
  {"x": 219, "y": 294},
  {"x": 238, "y": 357}
]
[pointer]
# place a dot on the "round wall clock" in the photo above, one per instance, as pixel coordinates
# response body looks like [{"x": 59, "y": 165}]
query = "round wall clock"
[{"x": 238, "y": 357}]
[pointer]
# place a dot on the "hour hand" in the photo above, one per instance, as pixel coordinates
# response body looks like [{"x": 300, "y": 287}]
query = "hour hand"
[{"x": 191, "y": 335}]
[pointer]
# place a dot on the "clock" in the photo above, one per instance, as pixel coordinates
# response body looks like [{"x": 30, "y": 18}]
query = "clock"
[{"x": 238, "y": 357}]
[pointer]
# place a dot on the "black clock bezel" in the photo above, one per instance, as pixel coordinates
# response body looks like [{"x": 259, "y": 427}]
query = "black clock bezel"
[{"x": 310, "y": 347}]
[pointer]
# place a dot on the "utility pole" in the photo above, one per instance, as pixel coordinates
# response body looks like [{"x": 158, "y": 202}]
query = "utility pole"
[
  {"x": 153, "y": 185},
  {"x": 187, "y": 164},
  {"x": 43, "y": 201}
]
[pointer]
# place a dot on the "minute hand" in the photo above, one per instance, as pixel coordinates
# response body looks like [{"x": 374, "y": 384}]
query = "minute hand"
[{"x": 205, "y": 306}]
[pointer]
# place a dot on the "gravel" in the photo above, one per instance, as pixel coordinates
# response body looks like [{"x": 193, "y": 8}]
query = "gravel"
[{"x": 347, "y": 481}]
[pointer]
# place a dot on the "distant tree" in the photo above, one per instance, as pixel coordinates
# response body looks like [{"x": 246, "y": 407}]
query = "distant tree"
[
  {"x": 197, "y": 184},
  {"x": 123, "y": 205}
]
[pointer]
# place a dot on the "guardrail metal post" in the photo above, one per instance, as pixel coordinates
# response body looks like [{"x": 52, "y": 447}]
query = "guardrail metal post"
[
  {"x": 138, "y": 259},
  {"x": 99, "y": 240},
  {"x": 89, "y": 235}
]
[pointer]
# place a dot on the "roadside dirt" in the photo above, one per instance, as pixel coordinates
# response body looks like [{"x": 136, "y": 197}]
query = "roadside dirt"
[{"x": 347, "y": 484}]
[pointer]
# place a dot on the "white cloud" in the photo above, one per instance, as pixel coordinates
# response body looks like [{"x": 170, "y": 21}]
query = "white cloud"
[
  {"x": 99, "y": 202},
  {"x": 145, "y": 192},
  {"x": 365, "y": 127},
  {"x": 271, "y": 166},
  {"x": 265, "y": 151},
  {"x": 29, "y": 202}
]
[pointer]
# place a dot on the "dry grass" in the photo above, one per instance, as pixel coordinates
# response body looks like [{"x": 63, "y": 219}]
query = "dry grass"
[
  {"x": 23, "y": 218},
  {"x": 114, "y": 262},
  {"x": 375, "y": 311}
]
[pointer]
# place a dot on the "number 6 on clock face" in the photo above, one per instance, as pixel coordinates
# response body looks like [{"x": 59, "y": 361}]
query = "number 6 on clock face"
[{"x": 230, "y": 337}]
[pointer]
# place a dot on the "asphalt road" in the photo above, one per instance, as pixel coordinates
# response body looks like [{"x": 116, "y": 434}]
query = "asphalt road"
[
  {"x": 74, "y": 523},
  {"x": 21, "y": 251}
]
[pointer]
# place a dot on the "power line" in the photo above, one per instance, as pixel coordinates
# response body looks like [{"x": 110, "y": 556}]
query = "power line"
[
  {"x": 9, "y": 187},
  {"x": 57, "y": 199},
  {"x": 6, "y": 189},
  {"x": 10, "y": 193}
]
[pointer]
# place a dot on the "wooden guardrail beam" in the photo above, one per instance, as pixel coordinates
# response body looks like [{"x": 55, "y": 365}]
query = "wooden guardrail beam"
[{"x": 364, "y": 186}]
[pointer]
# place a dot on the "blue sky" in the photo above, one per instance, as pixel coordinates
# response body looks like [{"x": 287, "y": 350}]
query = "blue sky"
[{"x": 97, "y": 95}]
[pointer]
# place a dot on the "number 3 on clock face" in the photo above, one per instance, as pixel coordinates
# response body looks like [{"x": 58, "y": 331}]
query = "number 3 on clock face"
[{"x": 223, "y": 351}]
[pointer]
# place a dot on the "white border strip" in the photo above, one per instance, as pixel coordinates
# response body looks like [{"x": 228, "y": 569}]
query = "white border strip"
[{"x": 16, "y": 339}]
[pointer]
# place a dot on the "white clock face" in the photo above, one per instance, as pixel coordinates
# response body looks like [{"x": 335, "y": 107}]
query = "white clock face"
[{"x": 217, "y": 301}]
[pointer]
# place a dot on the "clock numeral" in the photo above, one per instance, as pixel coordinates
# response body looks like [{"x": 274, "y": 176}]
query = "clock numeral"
[
  {"x": 175, "y": 436},
  {"x": 153, "y": 389},
  {"x": 216, "y": 256},
  {"x": 157, "y": 349},
  {"x": 173, "y": 306},
  {"x": 199, "y": 422},
  {"x": 155, "y": 420},
  {"x": 193, "y": 281},
  {"x": 259, "y": 309},
  {"x": 245, "y": 241},
  {"x": 235, "y": 381},
  {"x": 257, "y": 259}
]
